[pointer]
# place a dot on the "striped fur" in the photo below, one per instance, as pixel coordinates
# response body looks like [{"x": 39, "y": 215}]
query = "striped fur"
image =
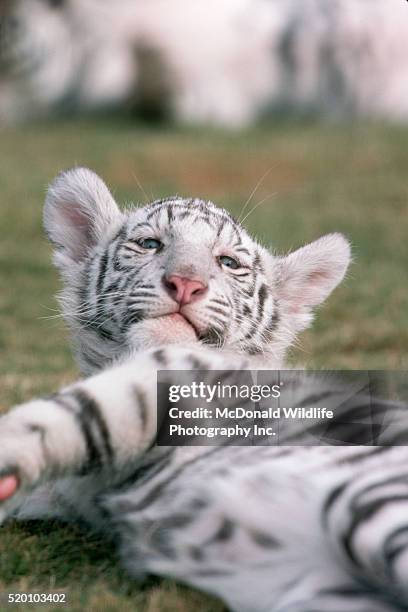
[
  {"x": 283, "y": 529},
  {"x": 114, "y": 296}
]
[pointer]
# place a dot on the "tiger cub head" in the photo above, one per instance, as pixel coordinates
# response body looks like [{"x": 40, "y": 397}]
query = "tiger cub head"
[{"x": 178, "y": 271}]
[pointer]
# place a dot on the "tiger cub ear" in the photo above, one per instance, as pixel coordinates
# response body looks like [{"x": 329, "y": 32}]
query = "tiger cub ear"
[
  {"x": 79, "y": 210},
  {"x": 306, "y": 277}
]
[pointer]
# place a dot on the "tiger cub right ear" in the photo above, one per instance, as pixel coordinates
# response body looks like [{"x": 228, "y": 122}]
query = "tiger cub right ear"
[
  {"x": 79, "y": 210},
  {"x": 306, "y": 277}
]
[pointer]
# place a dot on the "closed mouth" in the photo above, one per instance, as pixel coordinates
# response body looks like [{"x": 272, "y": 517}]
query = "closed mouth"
[{"x": 181, "y": 317}]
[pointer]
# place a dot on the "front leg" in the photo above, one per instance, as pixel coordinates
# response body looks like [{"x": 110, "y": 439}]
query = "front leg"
[
  {"x": 103, "y": 423},
  {"x": 98, "y": 424}
]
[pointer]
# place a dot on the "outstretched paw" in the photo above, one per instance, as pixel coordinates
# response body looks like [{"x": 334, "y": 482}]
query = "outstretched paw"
[
  {"x": 11, "y": 495},
  {"x": 10, "y": 499},
  {"x": 23, "y": 460},
  {"x": 8, "y": 486}
]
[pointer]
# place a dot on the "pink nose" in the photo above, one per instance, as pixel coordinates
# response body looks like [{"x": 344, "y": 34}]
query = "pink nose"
[{"x": 184, "y": 290}]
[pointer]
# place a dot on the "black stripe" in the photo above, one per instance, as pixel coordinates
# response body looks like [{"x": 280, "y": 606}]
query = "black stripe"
[
  {"x": 144, "y": 224},
  {"x": 265, "y": 540},
  {"x": 360, "y": 456},
  {"x": 143, "y": 473},
  {"x": 246, "y": 310},
  {"x": 253, "y": 329},
  {"x": 131, "y": 317},
  {"x": 262, "y": 295},
  {"x": 361, "y": 515},
  {"x": 196, "y": 553},
  {"x": 249, "y": 292},
  {"x": 212, "y": 336},
  {"x": 242, "y": 249},
  {"x": 256, "y": 261},
  {"x": 119, "y": 240},
  {"x": 93, "y": 363},
  {"x": 221, "y": 227},
  {"x": 140, "y": 294},
  {"x": 41, "y": 431},
  {"x": 91, "y": 411},
  {"x": 93, "y": 456},
  {"x": 219, "y": 301},
  {"x": 160, "y": 540},
  {"x": 253, "y": 350},
  {"x": 215, "y": 574},
  {"x": 157, "y": 490},
  {"x": 177, "y": 521},
  {"x": 112, "y": 287},
  {"x": 196, "y": 363},
  {"x": 330, "y": 501},
  {"x": 142, "y": 405},
  {"x": 160, "y": 357},
  {"x": 84, "y": 292},
  {"x": 103, "y": 264},
  {"x": 224, "y": 533},
  {"x": 391, "y": 548},
  {"x": 162, "y": 201},
  {"x": 140, "y": 285},
  {"x": 154, "y": 212},
  {"x": 272, "y": 324},
  {"x": 217, "y": 310},
  {"x": 184, "y": 215}
]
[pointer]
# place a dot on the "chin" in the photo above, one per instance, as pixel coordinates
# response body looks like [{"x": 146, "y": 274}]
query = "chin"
[{"x": 169, "y": 329}]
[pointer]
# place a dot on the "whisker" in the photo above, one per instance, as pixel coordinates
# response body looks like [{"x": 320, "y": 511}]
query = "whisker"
[
  {"x": 271, "y": 195},
  {"x": 87, "y": 308},
  {"x": 255, "y": 189},
  {"x": 139, "y": 184}
]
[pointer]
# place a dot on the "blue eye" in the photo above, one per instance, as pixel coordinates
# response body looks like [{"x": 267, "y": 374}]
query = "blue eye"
[
  {"x": 229, "y": 262},
  {"x": 150, "y": 243}
]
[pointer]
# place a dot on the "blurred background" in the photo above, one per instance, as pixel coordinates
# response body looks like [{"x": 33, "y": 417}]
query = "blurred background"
[
  {"x": 296, "y": 110},
  {"x": 224, "y": 62}
]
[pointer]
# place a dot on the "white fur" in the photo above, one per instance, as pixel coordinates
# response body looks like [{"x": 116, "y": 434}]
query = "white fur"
[
  {"x": 264, "y": 528},
  {"x": 81, "y": 218},
  {"x": 79, "y": 212},
  {"x": 223, "y": 62}
]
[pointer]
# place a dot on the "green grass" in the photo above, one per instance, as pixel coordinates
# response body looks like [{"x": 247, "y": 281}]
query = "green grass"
[{"x": 321, "y": 179}]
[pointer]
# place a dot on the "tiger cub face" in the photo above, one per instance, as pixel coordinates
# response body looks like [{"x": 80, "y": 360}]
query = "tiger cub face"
[{"x": 178, "y": 271}]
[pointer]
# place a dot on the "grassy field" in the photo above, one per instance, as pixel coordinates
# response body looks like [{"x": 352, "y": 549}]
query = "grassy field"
[{"x": 320, "y": 179}]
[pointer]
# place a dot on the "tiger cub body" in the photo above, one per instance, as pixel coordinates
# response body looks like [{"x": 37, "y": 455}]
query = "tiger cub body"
[{"x": 180, "y": 285}]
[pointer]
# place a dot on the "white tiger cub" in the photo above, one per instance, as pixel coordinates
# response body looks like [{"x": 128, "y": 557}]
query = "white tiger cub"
[{"x": 285, "y": 529}]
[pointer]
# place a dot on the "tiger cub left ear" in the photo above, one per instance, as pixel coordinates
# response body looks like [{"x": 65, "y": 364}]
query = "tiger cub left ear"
[
  {"x": 306, "y": 277},
  {"x": 79, "y": 210}
]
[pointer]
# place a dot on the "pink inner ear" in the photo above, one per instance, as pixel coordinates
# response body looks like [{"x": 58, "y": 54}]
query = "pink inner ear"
[
  {"x": 307, "y": 291},
  {"x": 76, "y": 218},
  {"x": 317, "y": 276},
  {"x": 75, "y": 221},
  {"x": 74, "y": 215}
]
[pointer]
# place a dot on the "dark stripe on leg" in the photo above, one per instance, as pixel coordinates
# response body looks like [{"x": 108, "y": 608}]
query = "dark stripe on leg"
[
  {"x": 91, "y": 411},
  {"x": 92, "y": 459},
  {"x": 142, "y": 404}
]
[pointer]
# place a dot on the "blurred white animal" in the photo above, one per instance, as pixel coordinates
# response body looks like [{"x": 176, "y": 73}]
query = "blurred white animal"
[
  {"x": 57, "y": 54},
  {"x": 208, "y": 62},
  {"x": 344, "y": 57},
  {"x": 223, "y": 61}
]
